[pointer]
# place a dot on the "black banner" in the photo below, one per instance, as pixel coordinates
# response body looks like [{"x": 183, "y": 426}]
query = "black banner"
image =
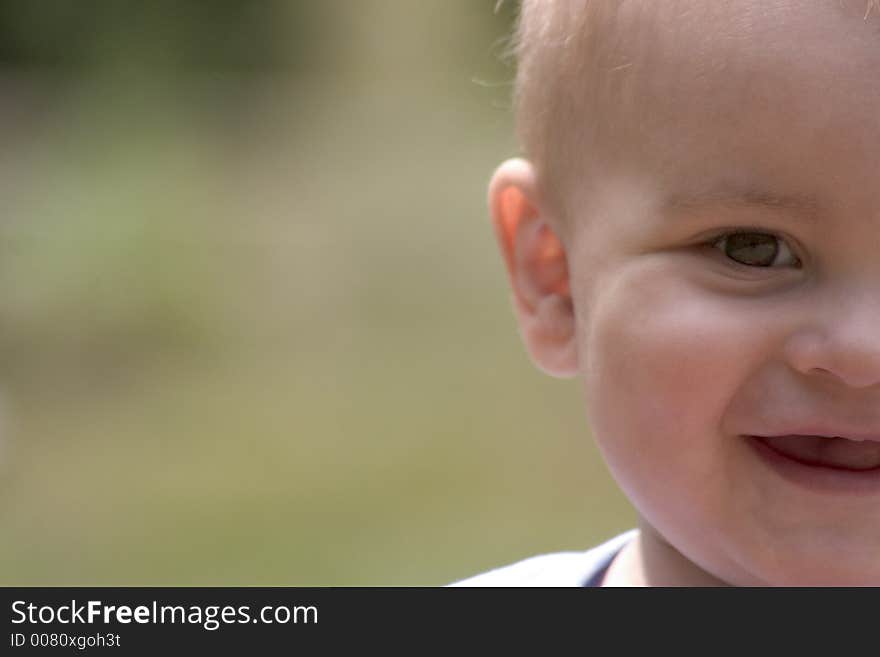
[
  {"x": 122, "y": 621},
  {"x": 132, "y": 621}
]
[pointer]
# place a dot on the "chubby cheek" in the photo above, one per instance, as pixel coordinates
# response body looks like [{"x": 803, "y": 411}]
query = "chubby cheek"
[
  {"x": 661, "y": 359},
  {"x": 666, "y": 364}
]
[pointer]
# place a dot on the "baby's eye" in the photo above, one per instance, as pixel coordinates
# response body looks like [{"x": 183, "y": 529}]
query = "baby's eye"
[{"x": 756, "y": 249}]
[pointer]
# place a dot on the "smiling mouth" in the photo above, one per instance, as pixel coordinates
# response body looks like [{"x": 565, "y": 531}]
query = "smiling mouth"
[{"x": 834, "y": 453}]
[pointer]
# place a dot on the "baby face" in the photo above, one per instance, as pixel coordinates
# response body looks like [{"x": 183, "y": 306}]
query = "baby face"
[
  {"x": 730, "y": 286},
  {"x": 724, "y": 278}
]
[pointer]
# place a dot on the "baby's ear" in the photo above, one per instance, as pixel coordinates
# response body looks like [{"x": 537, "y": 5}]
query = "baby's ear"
[{"x": 537, "y": 269}]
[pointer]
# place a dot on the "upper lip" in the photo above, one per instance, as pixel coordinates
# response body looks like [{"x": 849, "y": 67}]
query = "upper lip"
[{"x": 824, "y": 430}]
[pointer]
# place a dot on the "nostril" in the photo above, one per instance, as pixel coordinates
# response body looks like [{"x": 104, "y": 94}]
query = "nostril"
[{"x": 854, "y": 360}]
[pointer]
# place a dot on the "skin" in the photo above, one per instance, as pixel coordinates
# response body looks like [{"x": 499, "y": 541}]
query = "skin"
[{"x": 754, "y": 114}]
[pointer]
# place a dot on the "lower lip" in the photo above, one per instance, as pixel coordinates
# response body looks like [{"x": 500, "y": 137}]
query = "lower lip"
[{"x": 818, "y": 478}]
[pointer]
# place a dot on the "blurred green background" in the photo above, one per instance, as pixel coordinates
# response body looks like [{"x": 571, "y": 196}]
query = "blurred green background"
[{"x": 254, "y": 328}]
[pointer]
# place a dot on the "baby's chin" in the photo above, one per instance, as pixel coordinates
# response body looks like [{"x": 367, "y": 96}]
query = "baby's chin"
[
  {"x": 846, "y": 568},
  {"x": 822, "y": 557}
]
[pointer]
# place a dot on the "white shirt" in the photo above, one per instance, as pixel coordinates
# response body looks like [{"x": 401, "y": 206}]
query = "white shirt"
[{"x": 557, "y": 569}]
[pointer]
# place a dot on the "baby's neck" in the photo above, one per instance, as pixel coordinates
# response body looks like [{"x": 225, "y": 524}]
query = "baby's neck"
[{"x": 648, "y": 560}]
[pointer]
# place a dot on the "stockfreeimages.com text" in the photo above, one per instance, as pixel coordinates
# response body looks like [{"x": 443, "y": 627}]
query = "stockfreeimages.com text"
[{"x": 210, "y": 617}]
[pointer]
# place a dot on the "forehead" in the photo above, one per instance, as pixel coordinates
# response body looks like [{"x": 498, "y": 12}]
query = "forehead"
[{"x": 747, "y": 94}]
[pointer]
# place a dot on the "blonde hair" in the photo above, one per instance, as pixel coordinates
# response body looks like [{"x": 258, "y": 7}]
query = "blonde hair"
[
  {"x": 583, "y": 73},
  {"x": 571, "y": 72}
]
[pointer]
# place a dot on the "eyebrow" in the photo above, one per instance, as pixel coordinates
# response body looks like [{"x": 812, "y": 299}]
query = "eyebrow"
[{"x": 737, "y": 198}]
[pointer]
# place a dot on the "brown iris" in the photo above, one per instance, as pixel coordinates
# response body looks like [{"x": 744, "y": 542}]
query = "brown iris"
[{"x": 753, "y": 249}]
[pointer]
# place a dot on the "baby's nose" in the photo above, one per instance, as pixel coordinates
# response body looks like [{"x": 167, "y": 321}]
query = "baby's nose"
[{"x": 843, "y": 342}]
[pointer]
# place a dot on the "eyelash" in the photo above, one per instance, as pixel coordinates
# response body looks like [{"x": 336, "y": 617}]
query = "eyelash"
[{"x": 718, "y": 242}]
